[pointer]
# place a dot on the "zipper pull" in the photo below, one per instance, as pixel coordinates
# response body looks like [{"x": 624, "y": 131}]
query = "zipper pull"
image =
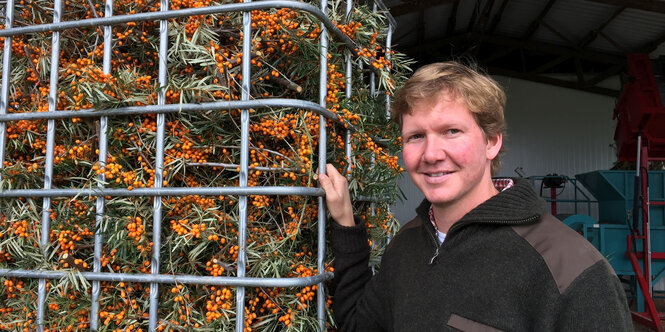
[{"x": 436, "y": 254}]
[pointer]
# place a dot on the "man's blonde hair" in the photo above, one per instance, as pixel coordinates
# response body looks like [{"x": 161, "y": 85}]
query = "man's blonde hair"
[{"x": 482, "y": 95}]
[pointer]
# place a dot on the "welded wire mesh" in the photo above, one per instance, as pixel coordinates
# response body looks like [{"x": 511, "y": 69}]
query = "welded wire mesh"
[{"x": 99, "y": 193}]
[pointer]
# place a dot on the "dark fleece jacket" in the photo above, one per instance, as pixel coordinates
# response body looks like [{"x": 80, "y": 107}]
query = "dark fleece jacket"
[{"x": 505, "y": 266}]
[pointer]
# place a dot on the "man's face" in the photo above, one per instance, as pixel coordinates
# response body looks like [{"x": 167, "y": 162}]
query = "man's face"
[{"x": 446, "y": 153}]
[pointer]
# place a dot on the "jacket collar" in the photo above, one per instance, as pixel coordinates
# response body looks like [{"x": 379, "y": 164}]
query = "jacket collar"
[{"x": 514, "y": 206}]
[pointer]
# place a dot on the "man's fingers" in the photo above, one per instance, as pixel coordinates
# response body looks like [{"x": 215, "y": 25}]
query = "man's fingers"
[
  {"x": 332, "y": 171},
  {"x": 325, "y": 182}
]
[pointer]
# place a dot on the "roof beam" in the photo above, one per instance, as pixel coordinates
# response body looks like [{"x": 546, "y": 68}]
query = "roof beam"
[
  {"x": 612, "y": 71},
  {"x": 549, "y": 64},
  {"x": 593, "y": 34},
  {"x": 499, "y": 54},
  {"x": 652, "y": 45},
  {"x": 656, "y": 6},
  {"x": 452, "y": 20},
  {"x": 471, "y": 38},
  {"x": 536, "y": 23},
  {"x": 485, "y": 18},
  {"x": 559, "y": 34},
  {"x": 554, "y": 81},
  {"x": 414, "y": 6},
  {"x": 618, "y": 46},
  {"x": 579, "y": 70},
  {"x": 474, "y": 16},
  {"x": 497, "y": 17}
]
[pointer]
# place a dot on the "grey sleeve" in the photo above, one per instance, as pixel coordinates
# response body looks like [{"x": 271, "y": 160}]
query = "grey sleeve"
[
  {"x": 595, "y": 301},
  {"x": 358, "y": 298}
]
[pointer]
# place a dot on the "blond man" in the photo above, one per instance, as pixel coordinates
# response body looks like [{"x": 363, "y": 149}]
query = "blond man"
[{"x": 482, "y": 253}]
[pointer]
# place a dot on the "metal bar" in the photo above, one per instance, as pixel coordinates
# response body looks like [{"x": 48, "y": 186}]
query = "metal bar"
[
  {"x": 641, "y": 279},
  {"x": 644, "y": 165},
  {"x": 347, "y": 93},
  {"x": 244, "y": 168},
  {"x": 389, "y": 40},
  {"x": 178, "y": 191},
  {"x": 387, "y": 13},
  {"x": 48, "y": 166},
  {"x": 323, "y": 91},
  {"x": 164, "y": 15},
  {"x": 159, "y": 168},
  {"x": 6, "y": 70},
  {"x": 172, "y": 191},
  {"x": 170, "y": 278},
  {"x": 4, "y": 89},
  {"x": 99, "y": 208},
  {"x": 177, "y": 108}
]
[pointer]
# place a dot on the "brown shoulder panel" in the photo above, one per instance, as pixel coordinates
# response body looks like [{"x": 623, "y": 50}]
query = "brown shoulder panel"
[
  {"x": 465, "y": 324},
  {"x": 566, "y": 253}
]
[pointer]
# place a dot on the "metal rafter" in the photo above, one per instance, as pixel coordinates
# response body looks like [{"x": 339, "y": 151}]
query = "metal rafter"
[
  {"x": 452, "y": 20},
  {"x": 536, "y": 23},
  {"x": 474, "y": 17},
  {"x": 585, "y": 41},
  {"x": 540, "y": 47},
  {"x": 614, "y": 70},
  {"x": 593, "y": 34},
  {"x": 656, "y": 6},
  {"x": 553, "y": 81},
  {"x": 414, "y": 6},
  {"x": 652, "y": 45},
  {"x": 497, "y": 17},
  {"x": 482, "y": 23}
]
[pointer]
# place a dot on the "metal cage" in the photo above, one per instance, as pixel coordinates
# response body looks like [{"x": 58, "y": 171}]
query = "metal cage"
[{"x": 155, "y": 278}]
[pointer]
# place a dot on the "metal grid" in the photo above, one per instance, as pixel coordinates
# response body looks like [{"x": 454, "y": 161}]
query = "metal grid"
[{"x": 246, "y": 103}]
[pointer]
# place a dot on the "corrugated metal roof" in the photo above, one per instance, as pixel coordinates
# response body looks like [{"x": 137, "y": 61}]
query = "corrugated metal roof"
[
  {"x": 571, "y": 19},
  {"x": 577, "y": 44}
]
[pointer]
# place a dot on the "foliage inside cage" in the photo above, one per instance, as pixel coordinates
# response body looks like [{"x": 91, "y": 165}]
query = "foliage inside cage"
[{"x": 199, "y": 233}]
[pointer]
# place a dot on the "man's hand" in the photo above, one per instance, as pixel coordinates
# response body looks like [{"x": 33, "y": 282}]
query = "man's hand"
[{"x": 337, "y": 196}]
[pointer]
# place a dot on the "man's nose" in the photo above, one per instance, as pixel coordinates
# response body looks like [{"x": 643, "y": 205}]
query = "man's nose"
[{"x": 434, "y": 150}]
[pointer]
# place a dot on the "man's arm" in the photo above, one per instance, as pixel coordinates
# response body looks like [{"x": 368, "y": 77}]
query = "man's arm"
[
  {"x": 595, "y": 301},
  {"x": 358, "y": 299}
]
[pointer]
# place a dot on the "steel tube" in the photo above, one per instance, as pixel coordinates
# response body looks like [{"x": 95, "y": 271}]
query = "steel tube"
[
  {"x": 244, "y": 167},
  {"x": 99, "y": 207},
  {"x": 389, "y": 39},
  {"x": 323, "y": 92},
  {"x": 347, "y": 94},
  {"x": 171, "y": 279},
  {"x": 48, "y": 164},
  {"x": 372, "y": 83},
  {"x": 4, "y": 89},
  {"x": 172, "y": 191},
  {"x": 161, "y": 15},
  {"x": 159, "y": 168},
  {"x": 6, "y": 70},
  {"x": 177, "y": 108}
]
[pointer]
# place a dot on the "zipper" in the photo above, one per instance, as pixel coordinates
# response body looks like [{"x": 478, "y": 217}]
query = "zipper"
[
  {"x": 458, "y": 225},
  {"x": 437, "y": 245}
]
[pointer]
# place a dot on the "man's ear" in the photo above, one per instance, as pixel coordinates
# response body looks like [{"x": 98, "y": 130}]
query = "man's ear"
[{"x": 494, "y": 144}]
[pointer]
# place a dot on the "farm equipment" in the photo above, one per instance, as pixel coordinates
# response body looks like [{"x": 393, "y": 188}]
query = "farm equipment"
[{"x": 630, "y": 230}]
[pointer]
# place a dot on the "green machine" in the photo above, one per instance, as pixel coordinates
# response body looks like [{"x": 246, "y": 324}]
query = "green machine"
[{"x": 619, "y": 230}]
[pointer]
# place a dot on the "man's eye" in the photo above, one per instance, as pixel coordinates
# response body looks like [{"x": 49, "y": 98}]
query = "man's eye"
[
  {"x": 453, "y": 131},
  {"x": 414, "y": 137}
]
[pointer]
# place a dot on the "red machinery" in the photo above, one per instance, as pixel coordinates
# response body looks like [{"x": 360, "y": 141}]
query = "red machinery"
[{"x": 640, "y": 137}]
